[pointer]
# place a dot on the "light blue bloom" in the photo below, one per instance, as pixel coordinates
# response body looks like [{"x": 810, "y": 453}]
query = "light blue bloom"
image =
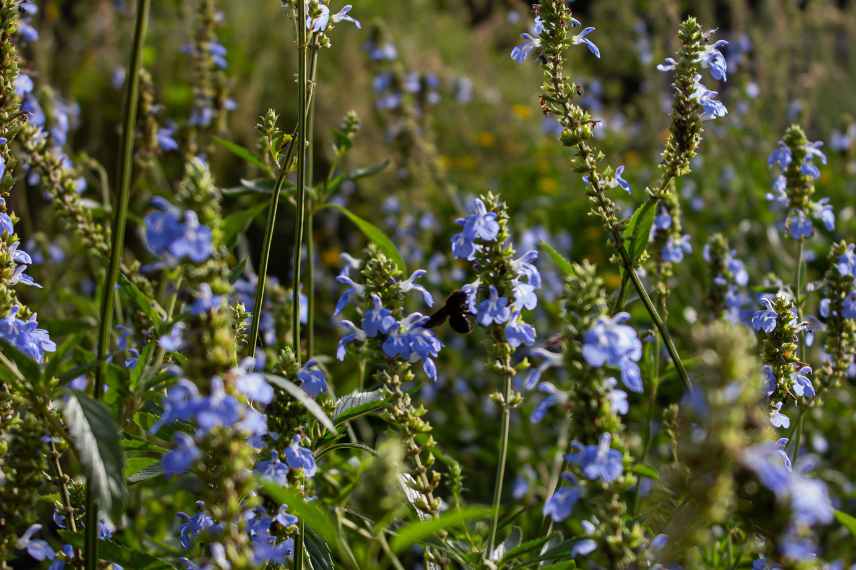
[
  {"x": 181, "y": 457},
  {"x": 518, "y": 332},
  {"x": 493, "y": 310},
  {"x": 25, "y": 335},
  {"x": 299, "y": 457},
  {"x": 206, "y": 301},
  {"x": 598, "y": 462},
  {"x": 765, "y": 319},
  {"x": 581, "y": 38},
  {"x": 353, "y": 289},
  {"x": 531, "y": 41},
  {"x": 354, "y": 334},
  {"x": 560, "y": 505},
  {"x": 411, "y": 285},
  {"x": 618, "y": 180},
  {"x": 312, "y": 378},
  {"x": 174, "y": 340},
  {"x": 798, "y": 225},
  {"x": 37, "y": 548},
  {"x": 273, "y": 469},
  {"x": 801, "y": 384},
  {"x": 611, "y": 343},
  {"x": 377, "y": 320}
]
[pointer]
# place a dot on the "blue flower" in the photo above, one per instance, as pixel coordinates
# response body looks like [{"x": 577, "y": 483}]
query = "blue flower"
[
  {"x": 174, "y": 235},
  {"x": 299, "y": 457},
  {"x": 192, "y": 526},
  {"x": 411, "y": 285},
  {"x": 711, "y": 107},
  {"x": 218, "y": 409},
  {"x": 273, "y": 469},
  {"x": 777, "y": 418},
  {"x": 25, "y": 335},
  {"x": 848, "y": 308},
  {"x": 822, "y": 210},
  {"x": 173, "y": 341},
  {"x": 518, "y": 332},
  {"x": 254, "y": 386},
  {"x": 846, "y": 262},
  {"x": 166, "y": 139},
  {"x": 320, "y": 22},
  {"x": 479, "y": 225},
  {"x": 180, "y": 404},
  {"x": 494, "y": 309},
  {"x": 178, "y": 460},
  {"x": 676, "y": 248},
  {"x": 669, "y": 64},
  {"x": 354, "y": 334},
  {"x": 801, "y": 384},
  {"x": 377, "y": 320},
  {"x": 37, "y": 548},
  {"x": 354, "y": 289},
  {"x": 598, "y": 462},
  {"x": 312, "y": 378},
  {"x": 554, "y": 396},
  {"x": 524, "y": 296},
  {"x": 611, "y": 343},
  {"x": 531, "y": 41},
  {"x": 765, "y": 319},
  {"x": 618, "y": 180},
  {"x": 617, "y": 398},
  {"x": 663, "y": 221},
  {"x": 560, "y": 505},
  {"x": 342, "y": 16},
  {"x": 206, "y": 301},
  {"x": 798, "y": 225},
  {"x": 711, "y": 58},
  {"x": 781, "y": 156},
  {"x": 581, "y": 38},
  {"x": 524, "y": 266}
]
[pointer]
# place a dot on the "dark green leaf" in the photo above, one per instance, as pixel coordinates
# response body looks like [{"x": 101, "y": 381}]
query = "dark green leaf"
[
  {"x": 301, "y": 396},
  {"x": 143, "y": 469},
  {"x": 336, "y": 446},
  {"x": 562, "y": 264},
  {"x": 357, "y": 404},
  {"x": 418, "y": 531},
  {"x": 319, "y": 552},
  {"x": 311, "y": 513},
  {"x": 374, "y": 233},
  {"x": 237, "y": 223},
  {"x": 96, "y": 439},
  {"x": 242, "y": 153},
  {"x": 638, "y": 230}
]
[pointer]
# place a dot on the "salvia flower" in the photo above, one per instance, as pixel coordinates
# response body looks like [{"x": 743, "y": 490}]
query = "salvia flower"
[
  {"x": 531, "y": 41},
  {"x": 598, "y": 462},
  {"x": 176, "y": 235},
  {"x": 611, "y": 343}
]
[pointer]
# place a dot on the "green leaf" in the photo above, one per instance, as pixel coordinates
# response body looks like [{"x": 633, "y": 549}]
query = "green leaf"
[
  {"x": 301, "y": 396},
  {"x": 418, "y": 531},
  {"x": 237, "y": 223},
  {"x": 243, "y": 153},
  {"x": 562, "y": 264},
  {"x": 638, "y": 230},
  {"x": 374, "y": 233},
  {"x": 140, "y": 367},
  {"x": 142, "y": 469},
  {"x": 646, "y": 471},
  {"x": 146, "y": 304},
  {"x": 847, "y": 520},
  {"x": 311, "y": 513},
  {"x": 356, "y": 174},
  {"x": 336, "y": 446},
  {"x": 22, "y": 366},
  {"x": 96, "y": 439},
  {"x": 319, "y": 552},
  {"x": 357, "y": 404},
  {"x": 257, "y": 186}
]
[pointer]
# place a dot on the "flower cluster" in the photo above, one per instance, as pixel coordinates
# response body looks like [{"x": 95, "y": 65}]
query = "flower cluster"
[
  {"x": 532, "y": 40},
  {"x": 175, "y": 235},
  {"x": 726, "y": 293},
  {"x": 837, "y": 309},
  {"x": 796, "y": 161}
]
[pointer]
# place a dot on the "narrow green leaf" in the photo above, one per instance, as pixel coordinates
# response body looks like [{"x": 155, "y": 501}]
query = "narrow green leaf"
[
  {"x": 319, "y": 552},
  {"x": 140, "y": 367},
  {"x": 237, "y": 223},
  {"x": 418, "y": 531},
  {"x": 848, "y": 521},
  {"x": 562, "y": 264},
  {"x": 356, "y": 174},
  {"x": 336, "y": 446},
  {"x": 96, "y": 439},
  {"x": 311, "y": 513},
  {"x": 638, "y": 230},
  {"x": 298, "y": 394},
  {"x": 646, "y": 471},
  {"x": 374, "y": 233},
  {"x": 357, "y": 404},
  {"x": 243, "y": 153}
]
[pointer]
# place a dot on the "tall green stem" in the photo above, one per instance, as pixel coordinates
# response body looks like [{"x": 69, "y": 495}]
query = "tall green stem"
[
  {"x": 500, "y": 468},
  {"x": 120, "y": 216},
  {"x": 301, "y": 213},
  {"x": 310, "y": 214},
  {"x": 798, "y": 429}
]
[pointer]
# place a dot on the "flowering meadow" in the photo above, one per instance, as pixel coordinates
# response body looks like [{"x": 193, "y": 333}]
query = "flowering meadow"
[{"x": 427, "y": 284}]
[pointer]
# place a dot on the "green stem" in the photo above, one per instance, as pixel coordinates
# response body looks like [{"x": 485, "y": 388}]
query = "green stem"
[
  {"x": 310, "y": 214},
  {"x": 126, "y": 163},
  {"x": 649, "y": 433},
  {"x": 301, "y": 212},
  {"x": 655, "y": 316},
  {"x": 798, "y": 429},
  {"x": 500, "y": 468}
]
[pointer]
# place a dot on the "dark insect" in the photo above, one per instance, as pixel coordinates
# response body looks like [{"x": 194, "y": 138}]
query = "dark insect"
[{"x": 455, "y": 309}]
